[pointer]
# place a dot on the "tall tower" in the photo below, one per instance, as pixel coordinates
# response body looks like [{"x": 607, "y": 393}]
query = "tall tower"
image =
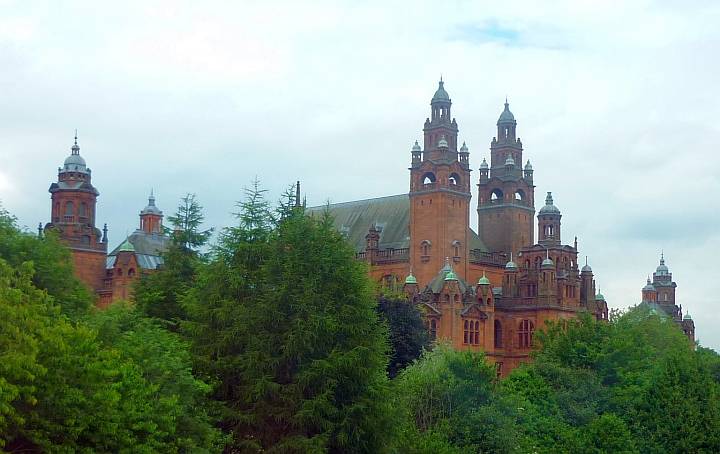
[
  {"x": 151, "y": 217},
  {"x": 506, "y": 194},
  {"x": 73, "y": 218},
  {"x": 439, "y": 195}
]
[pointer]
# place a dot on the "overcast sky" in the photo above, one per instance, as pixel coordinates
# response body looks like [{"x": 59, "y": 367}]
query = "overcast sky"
[{"x": 617, "y": 107}]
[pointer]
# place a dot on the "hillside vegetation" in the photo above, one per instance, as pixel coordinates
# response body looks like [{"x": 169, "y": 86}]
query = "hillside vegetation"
[{"x": 273, "y": 339}]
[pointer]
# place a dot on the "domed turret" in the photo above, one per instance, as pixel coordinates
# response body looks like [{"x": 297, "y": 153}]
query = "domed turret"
[
  {"x": 648, "y": 286},
  {"x": 451, "y": 276},
  {"x": 440, "y": 93},
  {"x": 75, "y": 162},
  {"x": 506, "y": 116},
  {"x": 483, "y": 280},
  {"x": 528, "y": 166},
  {"x": 599, "y": 296},
  {"x": 509, "y": 161},
  {"x": 662, "y": 269},
  {"x": 549, "y": 208},
  {"x": 484, "y": 165},
  {"x": 410, "y": 279},
  {"x": 687, "y": 316},
  {"x": 416, "y": 148},
  {"x": 464, "y": 148},
  {"x": 151, "y": 208},
  {"x": 548, "y": 263}
]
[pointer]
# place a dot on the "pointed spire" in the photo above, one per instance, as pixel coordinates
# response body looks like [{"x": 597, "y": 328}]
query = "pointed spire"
[
  {"x": 151, "y": 199},
  {"x": 75, "y": 150},
  {"x": 662, "y": 256},
  {"x": 105, "y": 231}
]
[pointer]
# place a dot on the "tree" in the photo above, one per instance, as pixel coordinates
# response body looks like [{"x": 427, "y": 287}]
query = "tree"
[
  {"x": 451, "y": 405},
  {"x": 285, "y": 318},
  {"x": 186, "y": 224},
  {"x": 159, "y": 294},
  {"x": 408, "y": 335},
  {"x": 62, "y": 390},
  {"x": 51, "y": 261}
]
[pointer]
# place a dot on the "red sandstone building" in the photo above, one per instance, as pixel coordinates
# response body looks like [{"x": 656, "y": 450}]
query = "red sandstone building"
[
  {"x": 659, "y": 294},
  {"x": 488, "y": 290},
  {"x": 73, "y": 209}
]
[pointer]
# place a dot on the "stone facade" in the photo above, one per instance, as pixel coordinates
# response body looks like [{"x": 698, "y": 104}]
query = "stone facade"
[
  {"x": 73, "y": 213},
  {"x": 659, "y": 294},
  {"x": 488, "y": 290}
]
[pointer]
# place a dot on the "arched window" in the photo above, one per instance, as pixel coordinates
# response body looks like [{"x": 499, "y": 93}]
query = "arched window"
[
  {"x": 131, "y": 272},
  {"x": 433, "y": 329},
  {"x": 466, "y": 332},
  {"x": 425, "y": 247},
  {"x": 519, "y": 195},
  {"x": 83, "y": 209},
  {"x": 69, "y": 208},
  {"x": 454, "y": 179},
  {"x": 456, "y": 249},
  {"x": 498, "y": 334},
  {"x": 525, "y": 334},
  {"x": 496, "y": 195},
  {"x": 428, "y": 178},
  {"x": 476, "y": 333}
]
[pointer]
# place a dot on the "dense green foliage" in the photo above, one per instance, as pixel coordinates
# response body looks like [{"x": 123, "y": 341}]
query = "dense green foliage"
[
  {"x": 631, "y": 385},
  {"x": 275, "y": 341},
  {"x": 408, "y": 335},
  {"x": 284, "y": 318},
  {"x": 98, "y": 382}
]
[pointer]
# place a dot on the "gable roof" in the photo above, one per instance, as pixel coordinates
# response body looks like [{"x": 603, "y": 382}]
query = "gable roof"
[
  {"x": 148, "y": 248},
  {"x": 390, "y": 214}
]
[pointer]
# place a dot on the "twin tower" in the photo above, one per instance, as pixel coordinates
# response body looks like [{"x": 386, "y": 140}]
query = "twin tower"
[{"x": 440, "y": 191}]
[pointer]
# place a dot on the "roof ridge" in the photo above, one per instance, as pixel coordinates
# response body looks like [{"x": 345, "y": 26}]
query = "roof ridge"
[{"x": 360, "y": 200}]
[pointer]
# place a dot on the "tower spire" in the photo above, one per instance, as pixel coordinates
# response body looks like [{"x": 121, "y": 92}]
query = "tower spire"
[{"x": 75, "y": 150}]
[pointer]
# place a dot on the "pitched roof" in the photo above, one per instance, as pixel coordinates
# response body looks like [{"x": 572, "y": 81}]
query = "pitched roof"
[
  {"x": 390, "y": 214},
  {"x": 148, "y": 249}
]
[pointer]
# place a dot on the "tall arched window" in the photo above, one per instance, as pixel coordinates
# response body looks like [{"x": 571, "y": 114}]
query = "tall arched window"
[
  {"x": 476, "y": 332},
  {"x": 69, "y": 208},
  {"x": 433, "y": 329},
  {"x": 456, "y": 249},
  {"x": 525, "y": 334},
  {"x": 428, "y": 178},
  {"x": 498, "y": 334},
  {"x": 83, "y": 209},
  {"x": 496, "y": 195},
  {"x": 454, "y": 179},
  {"x": 425, "y": 247},
  {"x": 466, "y": 332}
]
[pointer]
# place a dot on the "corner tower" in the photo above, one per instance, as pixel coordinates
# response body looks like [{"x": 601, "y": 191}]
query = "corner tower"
[
  {"x": 72, "y": 217},
  {"x": 439, "y": 194},
  {"x": 506, "y": 194},
  {"x": 151, "y": 217}
]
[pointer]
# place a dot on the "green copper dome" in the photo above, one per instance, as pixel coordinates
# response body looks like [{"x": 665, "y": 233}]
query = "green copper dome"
[
  {"x": 451, "y": 276},
  {"x": 410, "y": 279},
  {"x": 506, "y": 116},
  {"x": 599, "y": 297},
  {"x": 440, "y": 93},
  {"x": 126, "y": 246},
  {"x": 484, "y": 280},
  {"x": 687, "y": 316}
]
